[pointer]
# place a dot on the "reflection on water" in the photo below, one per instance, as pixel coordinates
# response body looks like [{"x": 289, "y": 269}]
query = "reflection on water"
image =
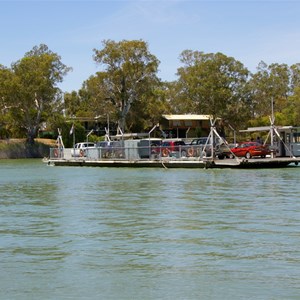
[{"x": 86, "y": 233}]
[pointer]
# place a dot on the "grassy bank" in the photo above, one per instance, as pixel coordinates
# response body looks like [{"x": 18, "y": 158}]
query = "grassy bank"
[{"x": 17, "y": 148}]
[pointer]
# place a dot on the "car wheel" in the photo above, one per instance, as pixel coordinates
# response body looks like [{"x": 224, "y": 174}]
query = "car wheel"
[
  {"x": 183, "y": 153},
  {"x": 231, "y": 155},
  {"x": 248, "y": 155}
]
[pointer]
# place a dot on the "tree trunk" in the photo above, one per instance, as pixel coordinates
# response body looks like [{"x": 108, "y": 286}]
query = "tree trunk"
[{"x": 31, "y": 135}]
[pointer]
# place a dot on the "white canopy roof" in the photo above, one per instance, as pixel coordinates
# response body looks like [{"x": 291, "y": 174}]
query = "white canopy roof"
[
  {"x": 265, "y": 128},
  {"x": 187, "y": 117}
]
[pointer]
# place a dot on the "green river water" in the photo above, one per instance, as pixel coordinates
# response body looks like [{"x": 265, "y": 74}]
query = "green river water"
[{"x": 101, "y": 233}]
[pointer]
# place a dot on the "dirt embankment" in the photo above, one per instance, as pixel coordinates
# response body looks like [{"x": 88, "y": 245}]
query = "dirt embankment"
[{"x": 17, "y": 148}]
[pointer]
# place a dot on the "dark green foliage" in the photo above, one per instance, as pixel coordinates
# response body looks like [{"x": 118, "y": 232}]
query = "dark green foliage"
[{"x": 128, "y": 93}]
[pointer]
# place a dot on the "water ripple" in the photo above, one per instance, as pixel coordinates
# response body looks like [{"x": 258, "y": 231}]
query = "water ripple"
[{"x": 81, "y": 233}]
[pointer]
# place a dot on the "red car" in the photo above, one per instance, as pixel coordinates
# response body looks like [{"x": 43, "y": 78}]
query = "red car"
[
  {"x": 170, "y": 147},
  {"x": 249, "y": 149}
]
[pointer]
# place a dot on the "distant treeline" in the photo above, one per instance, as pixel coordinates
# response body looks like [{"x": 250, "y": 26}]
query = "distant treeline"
[{"x": 128, "y": 92}]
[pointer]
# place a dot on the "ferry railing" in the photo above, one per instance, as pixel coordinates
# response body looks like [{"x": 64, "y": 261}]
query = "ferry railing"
[
  {"x": 191, "y": 152},
  {"x": 57, "y": 153}
]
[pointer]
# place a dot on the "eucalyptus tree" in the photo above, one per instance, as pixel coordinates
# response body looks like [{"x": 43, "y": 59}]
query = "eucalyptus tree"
[
  {"x": 213, "y": 84},
  {"x": 72, "y": 104},
  {"x": 291, "y": 113},
  {"x": 32, "y": 94},
  {"x": 6, "y": 89},
  {"x": 272, "y": 86},
  {"x": 128, "y": 76},
  {"x": 96, "y": 100}
]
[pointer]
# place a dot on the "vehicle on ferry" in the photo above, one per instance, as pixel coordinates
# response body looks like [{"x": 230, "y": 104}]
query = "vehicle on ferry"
[
  {"x": 174, "y": 148},
  {"x": 80, "y": 149},
  {"x": 199, "y": 141},
  {"x": 110, "y": 149},
  {"x": 250, "y": 149},
  {"x": 149, "y": 147},
  {"x": 223, "y": 150}
]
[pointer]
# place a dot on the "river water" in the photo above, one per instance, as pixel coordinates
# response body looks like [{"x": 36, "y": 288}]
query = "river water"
[{"x": 100, "y": 233}]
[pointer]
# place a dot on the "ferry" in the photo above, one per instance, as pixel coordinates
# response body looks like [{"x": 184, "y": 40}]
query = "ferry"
[{"x": 137, "y": 150}]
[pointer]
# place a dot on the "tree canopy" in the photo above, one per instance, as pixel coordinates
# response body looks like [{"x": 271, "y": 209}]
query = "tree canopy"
[
  {"x": 29, "y": 90},
  {"x": 212, "y": 84},
  {"x": 129, "y": 75},
  {"x": 271, "y": 88},
  {"x": 128, "y": 90}
]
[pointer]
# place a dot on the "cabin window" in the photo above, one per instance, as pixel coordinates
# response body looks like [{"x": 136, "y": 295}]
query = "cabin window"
[
  {"x": 176, "y": 123},
  {"x": 296, "y": 137}
]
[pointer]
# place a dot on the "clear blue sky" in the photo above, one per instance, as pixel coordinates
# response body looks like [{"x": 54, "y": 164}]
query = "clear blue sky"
[{"x": 250, "y": 31}]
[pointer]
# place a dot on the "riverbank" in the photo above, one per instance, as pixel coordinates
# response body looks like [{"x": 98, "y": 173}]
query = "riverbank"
[{"x": 17, "y": 148}]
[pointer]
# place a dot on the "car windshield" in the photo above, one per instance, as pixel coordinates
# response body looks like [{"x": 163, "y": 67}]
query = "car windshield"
[{"x": 200, "y": 141}]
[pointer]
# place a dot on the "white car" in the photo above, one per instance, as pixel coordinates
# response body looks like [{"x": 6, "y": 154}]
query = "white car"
[{"x": 80, "y": 149}]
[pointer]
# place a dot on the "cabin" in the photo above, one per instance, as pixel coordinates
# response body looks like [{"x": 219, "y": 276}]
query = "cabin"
[
  {"x": 185, "y": 126},
  {"x": 172, "y": 126}
]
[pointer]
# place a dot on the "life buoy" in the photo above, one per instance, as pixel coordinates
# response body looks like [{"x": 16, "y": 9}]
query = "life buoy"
[
  {"x": 55, "y": 152},
  {"x": 165, "y": 152},
  {"x": 190, "y": 152},
  {"x": 81, "y": 153}
]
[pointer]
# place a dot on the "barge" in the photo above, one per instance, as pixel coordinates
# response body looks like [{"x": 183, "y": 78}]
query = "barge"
[
  {"x": 63, "y": 159},
  {"x": 258, "y": 163},
  {"x": 143, "y": 153}
]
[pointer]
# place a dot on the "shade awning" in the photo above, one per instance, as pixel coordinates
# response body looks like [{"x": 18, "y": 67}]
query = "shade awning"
[{"x": 187, "y": 117}]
